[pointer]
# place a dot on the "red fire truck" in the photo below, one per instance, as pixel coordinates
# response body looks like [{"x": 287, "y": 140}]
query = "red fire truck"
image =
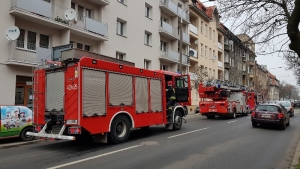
[
  {"x": 88, "y": 97},
  {"x": 253, "y": 99},
  {"x": 222, "y": 99}
]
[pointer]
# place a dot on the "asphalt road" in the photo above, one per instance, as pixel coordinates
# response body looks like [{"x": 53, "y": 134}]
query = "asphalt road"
[{"x": 201, "y": 143}]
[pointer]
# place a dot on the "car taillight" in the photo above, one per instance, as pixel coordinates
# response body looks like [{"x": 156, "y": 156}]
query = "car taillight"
[
  {"x": 253, "y": 113},
  {"x": 280, "y": 115},
  {"x": 291, "y": 109}
]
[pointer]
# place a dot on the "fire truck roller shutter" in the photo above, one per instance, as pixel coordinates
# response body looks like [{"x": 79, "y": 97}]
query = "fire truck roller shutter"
[
  {"x": 93, "y": 94},
  {"x": 55, "y": 84},
  {"x": 141, "y": 87},
  {"x": 120, "y": 90},
  {"x": 156, "y": 95}
]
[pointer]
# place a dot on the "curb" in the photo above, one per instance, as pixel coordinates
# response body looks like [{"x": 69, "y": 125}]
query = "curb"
[
  {"x": 19, "y": 144},
  {"x": 296, "y": 158}
]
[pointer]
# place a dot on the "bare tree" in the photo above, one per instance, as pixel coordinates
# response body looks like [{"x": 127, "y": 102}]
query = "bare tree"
[
  {"x": 262, "y": 89},
  {"x": 264, "y": 21},
  {"x": 199, "y": 76}
]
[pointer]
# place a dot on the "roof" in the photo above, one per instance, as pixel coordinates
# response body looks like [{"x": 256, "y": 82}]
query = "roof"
[{"x": 210, "y": 11}]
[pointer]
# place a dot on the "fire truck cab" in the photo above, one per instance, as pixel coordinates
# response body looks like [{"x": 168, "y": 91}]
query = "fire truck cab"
[
  {"x": 92, "y": 98},
  {"x": 225, "y": 99}
]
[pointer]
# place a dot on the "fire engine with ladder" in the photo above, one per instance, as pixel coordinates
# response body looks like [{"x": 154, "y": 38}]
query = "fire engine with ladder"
[
  {"x": 224, "y": 99},
  {"x": 80, "y": 97}
]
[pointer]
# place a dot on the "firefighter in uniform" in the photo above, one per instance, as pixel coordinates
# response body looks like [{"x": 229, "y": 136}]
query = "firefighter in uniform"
[{"x": 171, "y": 96}]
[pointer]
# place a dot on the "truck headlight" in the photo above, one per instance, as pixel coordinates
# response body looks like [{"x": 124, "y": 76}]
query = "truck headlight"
[{"x": 71, "y": 121}]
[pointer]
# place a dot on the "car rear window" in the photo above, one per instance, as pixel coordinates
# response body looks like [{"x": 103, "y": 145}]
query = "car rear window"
[
  {"x": 270, "y": 108},
  {"x": 285, "y": 104}
]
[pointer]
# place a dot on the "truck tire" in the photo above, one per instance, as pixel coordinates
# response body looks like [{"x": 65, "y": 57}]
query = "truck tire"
[
  {"x": 233, "y": 116},
  {"x": 177, "y": 120},
  {"x": 119, "y": 129},
  {"x": 23, "y": 135}
]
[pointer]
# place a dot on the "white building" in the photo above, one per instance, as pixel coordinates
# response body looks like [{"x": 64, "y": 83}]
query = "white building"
[{"x": 142, "y": 31}]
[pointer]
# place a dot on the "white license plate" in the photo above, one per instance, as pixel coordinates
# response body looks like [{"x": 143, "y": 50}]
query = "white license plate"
[
  {"x": 212, "y": 110},
  {"x": 266, "y": 116}
]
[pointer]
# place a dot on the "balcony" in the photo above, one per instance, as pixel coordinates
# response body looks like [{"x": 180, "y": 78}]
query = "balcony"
[
  {"x": 185, "y": 39},
  {"x": 168, "y": 31},
  {"x": 195, "y": 53},
  {"x": 220, "y": 45},
  {"x": 220, "y": 64},
  {"x": 251, "y": 75},
  {"x": 193, "y": 29},
  {"x": 227, "y": 47},
  {"x": 100, "y": 2},
  {"x": 244, "y": 73},
  {"x": 227, "y": 65},
  {"x": 53, "y": 15},
  {"x": 26, "y": 54},
  {"x": 251, "y": 63},
  {"x": 169, "y": 7},
  {"x": 172, "y": 57}
]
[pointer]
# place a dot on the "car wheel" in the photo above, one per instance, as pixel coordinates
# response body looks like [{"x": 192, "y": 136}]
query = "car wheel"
[
  {"x": 233, "y": 116},
  {"x": 23, "y": 135},
  {"x": 254, "y": 124}
]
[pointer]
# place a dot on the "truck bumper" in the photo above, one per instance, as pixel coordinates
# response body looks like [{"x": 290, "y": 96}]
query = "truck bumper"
[{"x": 60, "y": 135}]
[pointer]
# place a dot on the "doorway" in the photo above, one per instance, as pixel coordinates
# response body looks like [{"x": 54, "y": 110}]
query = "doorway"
[{"x": 24, "y": 93}]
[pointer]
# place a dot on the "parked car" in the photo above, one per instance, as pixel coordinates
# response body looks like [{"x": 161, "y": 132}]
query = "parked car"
[
  {"x": 289, "y": 107},
  {"x": 296, "y": 104},
  {"x": 270, "y": 114},
  {"x": 197, "y": 110},
  {"x": 15, "y": 121}
]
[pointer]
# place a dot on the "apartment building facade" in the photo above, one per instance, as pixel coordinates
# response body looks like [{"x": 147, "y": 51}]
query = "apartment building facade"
[
  {"x": 273, "y": 87},
  {"x": 261, "y": 80},
  {"x": 123, "y": 29},
  {"x": 207, "y": 42}
]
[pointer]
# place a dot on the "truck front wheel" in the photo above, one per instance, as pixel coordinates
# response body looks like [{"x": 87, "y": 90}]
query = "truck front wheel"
[
  {"x": 119, "y": 129},
  {"x": 177, "y": 120}
]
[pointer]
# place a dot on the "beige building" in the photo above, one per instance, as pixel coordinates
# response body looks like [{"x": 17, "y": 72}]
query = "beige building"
[
  {"x": 207, "y": 42},
  {"x": 127, "y": 30}
]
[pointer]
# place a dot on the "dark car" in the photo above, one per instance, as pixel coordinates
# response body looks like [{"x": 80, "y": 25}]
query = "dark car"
[
  {"x": 296, "y": 104},
  {"x": 197, "y": 110},
  {"x": 270, "y": 114}
]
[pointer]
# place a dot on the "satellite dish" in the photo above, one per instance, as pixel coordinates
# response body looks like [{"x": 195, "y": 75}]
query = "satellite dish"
[
  {"x": 191, "y": 53},
  {"x": 12, "y": 33},
  {"x": 70, "y": 14}
]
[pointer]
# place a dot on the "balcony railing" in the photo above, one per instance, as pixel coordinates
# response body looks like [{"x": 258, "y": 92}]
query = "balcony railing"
[
  {"x": 195, "y": 53},
  {"x": 186, "y": 37},
  {"x": 173, "y": 56},
  {"x": 165, "y": 27},
  {"x": 193, "y": 29},
  {"x": 56, "y": 12},
  {"x": 182, "y": 14},
  {"x": 220, "y": 64},
  {"x": 220, "y": 45},
  {"x": 170, "y": 5},
  {"x": 27, "y": 53}
]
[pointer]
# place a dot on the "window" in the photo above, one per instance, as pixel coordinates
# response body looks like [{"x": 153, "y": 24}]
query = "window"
[
  {"x": 163, "y": 46},
  {"x": 210, "y": 55},
  {"x": 147, "y": 64},
  {"x": 213, "y": 55},
  {"x": 148, "y": 11},
  {"x": 206, "y": 30},
  {"x": 201, "y": 49},
  {"x": 120, "y": 56},
  {"x": 213, "y": 35},
  {"x": 209, "y": 33},
  {"x": 214, "y": 73},
  {"x": 28, "y": 40},
  {"x": 121, "y": 27},
  {"x": 44, "y": 41},
  {"x": 205, "y": 52},
  {"x": 201, "y": 26},
  {"x": 147, "y": 38},
  {"x": 81, "y": 46},
  {"x": 163, "y": 67},
  {"x": 81, "y": 11}
]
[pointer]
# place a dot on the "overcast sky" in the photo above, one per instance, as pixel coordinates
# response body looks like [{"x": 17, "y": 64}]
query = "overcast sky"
[{"x": 272, "y": 61}]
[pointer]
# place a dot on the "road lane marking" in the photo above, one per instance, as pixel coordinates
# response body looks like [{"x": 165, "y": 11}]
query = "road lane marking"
[
  {"x": 231, "y": 121},
  {"x": 188, "y": 132},
  {"x": 94, "y": 157}
]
